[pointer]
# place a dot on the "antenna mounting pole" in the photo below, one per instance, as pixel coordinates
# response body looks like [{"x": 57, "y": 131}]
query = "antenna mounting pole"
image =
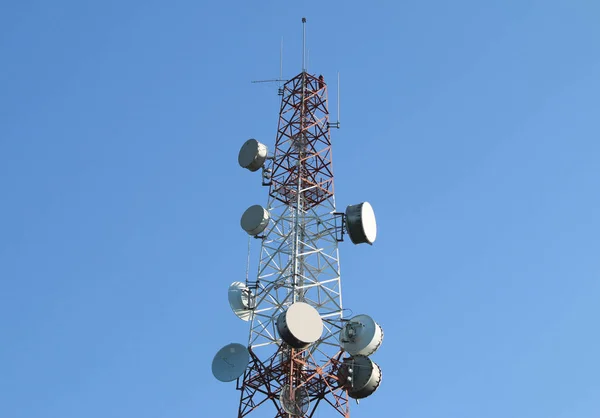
[
  {"x": 303, "y": 44},
  {"x": 338, "y": 101}
]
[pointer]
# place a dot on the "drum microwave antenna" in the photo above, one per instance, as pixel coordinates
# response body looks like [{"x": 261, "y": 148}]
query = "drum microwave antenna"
[{"x": 301, "y": 352}]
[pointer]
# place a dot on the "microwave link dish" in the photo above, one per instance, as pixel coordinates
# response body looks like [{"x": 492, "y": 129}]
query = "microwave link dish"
[
  {"x": 240, "y": 298},
  {"x": 361, "y": 224},
  {"x": 255, "y": 219},
  {"x": 361, "y": 336},
  {"x": 300, "y": 325},
  {"x": 252, "y": 155},
  {"x": 295, "y": 401},
  {"x": 360, "y": 375},
  {"x": 230, "y": 362}
]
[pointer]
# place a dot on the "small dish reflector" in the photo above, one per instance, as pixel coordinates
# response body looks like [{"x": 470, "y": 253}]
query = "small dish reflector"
[
  {"x": 295, "y": 401},
  {"x": 255, "y": 219},
  {"x": 361, "y": 336},
  {"x": 300, "y": 325},
  {"x": 361, "y": 224},
  {"x": 230, "y": 362},
  {"x": 239, "y": 299},
  {"x": 360, "y": 376},
  {"x": 252, "y": 155}
]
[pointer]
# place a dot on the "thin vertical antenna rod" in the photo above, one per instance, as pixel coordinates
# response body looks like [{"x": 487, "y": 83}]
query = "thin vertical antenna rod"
[
  {"x": 303, "y": 43},
  {"x": 248, "y": 260},
  {"x": 281, "y": 60},
  {"x": 338, "y": 99}
]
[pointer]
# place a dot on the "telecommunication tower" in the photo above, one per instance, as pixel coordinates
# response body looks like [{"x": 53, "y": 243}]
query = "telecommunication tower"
[{"x": 301, "y": 351}]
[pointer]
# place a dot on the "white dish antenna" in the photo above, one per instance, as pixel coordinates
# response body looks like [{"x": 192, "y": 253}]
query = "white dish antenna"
[
  {"x": 252, "y": 155},
  {"x": 361, "y": 224},
  {"x": 295, "y": 402},
  {"x": 240, "y": 299},
  {"x": 361, "y": 336},
  {"x": 230, "y": 362},
  {"x": 300, "y": 325},
  {"x": 255, "y": 219},
  {"x": 360, "y": 376}
]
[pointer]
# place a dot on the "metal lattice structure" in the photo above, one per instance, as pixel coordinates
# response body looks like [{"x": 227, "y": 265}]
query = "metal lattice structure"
[
  {"x": 299, "y": 262},
  {"x": 301, "y": 351}
]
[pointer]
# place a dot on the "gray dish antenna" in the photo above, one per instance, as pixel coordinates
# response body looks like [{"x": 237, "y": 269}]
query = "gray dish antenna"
[
  {"x": 361, "y": 336},
  {"x": 360, "y": 376},
  {"x": 252, "y": 155},
  {"x": 361, "y": 224},
  {"x": 300, "y": 325},
  {"x": 255, "y": 219},
  {"x": 230, "y": 362},
  {"x": 295, "y": 401},
  {"x": 240, "y": 299}
]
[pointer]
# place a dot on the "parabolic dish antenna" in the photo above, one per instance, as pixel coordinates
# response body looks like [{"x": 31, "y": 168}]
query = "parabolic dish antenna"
[
  {"x": 361, "y": 335},
  {"x": 361, "y": 224},
  {"x": 240, "y": 298},
  {"x": 360, "y": 376},
  {"x": 230, "y": 362},
  {"x": 295, "y": 401},
  {"x": 255, "y": 219},
  {"x": 252, "y": 155},
  {"x": 300, "y": 325}
]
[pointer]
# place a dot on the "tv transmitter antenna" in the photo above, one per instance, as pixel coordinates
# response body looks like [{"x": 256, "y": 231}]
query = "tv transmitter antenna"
[{"x": 301, "y": 351}]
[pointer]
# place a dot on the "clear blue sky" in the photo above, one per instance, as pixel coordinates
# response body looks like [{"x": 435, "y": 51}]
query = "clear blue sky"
[{"x": 473, "y": 127}]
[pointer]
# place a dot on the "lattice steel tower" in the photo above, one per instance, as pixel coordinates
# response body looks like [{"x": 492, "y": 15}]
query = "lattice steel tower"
[{"x": 301, "y": 351}]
